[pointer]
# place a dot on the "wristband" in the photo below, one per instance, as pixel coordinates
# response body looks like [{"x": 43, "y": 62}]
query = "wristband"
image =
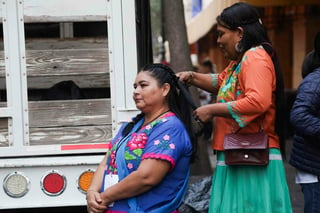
[{"x": 190, "y": 77}]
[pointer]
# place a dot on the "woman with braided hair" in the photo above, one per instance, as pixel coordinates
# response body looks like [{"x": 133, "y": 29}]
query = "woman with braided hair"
[{"x": 147, "y": 166}]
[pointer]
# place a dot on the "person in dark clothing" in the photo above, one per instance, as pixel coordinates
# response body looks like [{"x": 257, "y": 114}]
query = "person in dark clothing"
[
  {"x": 205, "y": 97},
  {"x": 305, "y": 119}
]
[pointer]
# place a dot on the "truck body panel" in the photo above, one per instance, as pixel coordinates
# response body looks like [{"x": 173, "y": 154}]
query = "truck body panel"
[{"x": 56, "y": 140}]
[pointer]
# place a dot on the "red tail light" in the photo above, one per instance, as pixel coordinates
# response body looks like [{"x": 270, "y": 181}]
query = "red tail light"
[{"x": 53, "y": 183}]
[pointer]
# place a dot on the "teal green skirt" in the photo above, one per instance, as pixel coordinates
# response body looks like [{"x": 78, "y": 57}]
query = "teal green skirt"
[{"x": 250, "y": 189}]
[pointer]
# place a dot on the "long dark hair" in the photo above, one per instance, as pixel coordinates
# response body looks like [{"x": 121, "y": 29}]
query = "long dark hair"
[
  {"x": 255, "y": 34},
  {"x": 177, "y": 101},
  {"x": 312, "y": 59}
]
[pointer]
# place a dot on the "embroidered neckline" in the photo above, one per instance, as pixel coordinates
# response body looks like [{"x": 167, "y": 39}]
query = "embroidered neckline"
[
  {"x": 156, "y": 118},
  {"x": 143, "y": 132}
]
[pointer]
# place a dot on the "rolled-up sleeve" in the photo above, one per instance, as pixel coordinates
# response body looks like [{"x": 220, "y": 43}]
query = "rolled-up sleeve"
[{"x": 256, "y": 85}]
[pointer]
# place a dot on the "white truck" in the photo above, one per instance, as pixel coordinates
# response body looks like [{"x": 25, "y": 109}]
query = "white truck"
[{"x": 49, "y": 147}]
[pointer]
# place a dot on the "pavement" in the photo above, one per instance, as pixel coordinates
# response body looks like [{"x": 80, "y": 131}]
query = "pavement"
[
  {"x": 295, "y": 190},
  {"x": 205, "y": 164}
]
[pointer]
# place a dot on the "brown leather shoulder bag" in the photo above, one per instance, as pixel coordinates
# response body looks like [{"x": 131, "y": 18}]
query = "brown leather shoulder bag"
[{"x": 246, "y": 149}]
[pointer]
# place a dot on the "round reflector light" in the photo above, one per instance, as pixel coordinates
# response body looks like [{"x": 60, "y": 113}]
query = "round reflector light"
[
  {"x": 16, "y": 184},
  {"x": 53, "y": 183},
  {"x": 84, "y": 180}
]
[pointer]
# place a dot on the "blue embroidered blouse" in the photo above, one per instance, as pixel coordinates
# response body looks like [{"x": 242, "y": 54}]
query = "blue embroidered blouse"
[{"x": 165, "y": 138}]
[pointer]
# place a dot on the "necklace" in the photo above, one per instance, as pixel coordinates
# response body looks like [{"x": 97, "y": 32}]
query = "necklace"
[{"x": 158, "y": 116}]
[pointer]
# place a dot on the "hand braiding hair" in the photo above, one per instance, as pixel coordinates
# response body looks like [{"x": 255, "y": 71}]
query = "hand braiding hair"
[{"x": 182, "y": 88}]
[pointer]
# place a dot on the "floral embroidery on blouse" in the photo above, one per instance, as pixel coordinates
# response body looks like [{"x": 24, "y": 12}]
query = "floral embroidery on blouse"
[
  {"x": 111, "y": 166},
  {"x": 137, "y": 143},
  {"x": 229, "y": 91},
  {"x": 164, "y": 143},
  {"x": 214, "y": 79},
  {"x": 235, "y": 114},
  {"x": 135, "y": 148}
]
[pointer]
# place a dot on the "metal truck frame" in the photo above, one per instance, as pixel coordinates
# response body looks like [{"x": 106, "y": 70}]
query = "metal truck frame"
[{"x": 49, "y": 149}]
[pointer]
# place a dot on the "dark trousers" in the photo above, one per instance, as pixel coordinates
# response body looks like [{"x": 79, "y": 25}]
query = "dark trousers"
[
  {"x": 311, "y": 193},
  {"x": 207, "y": 130}
]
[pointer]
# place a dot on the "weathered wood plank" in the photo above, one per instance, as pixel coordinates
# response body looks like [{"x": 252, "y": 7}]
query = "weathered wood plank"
[
  {"x": 87, "y": 67},
  {"x": 66, "y": 122},
  {"x": 74, "y": 43},
  {"x": 69, "y": 113},
  {"x": 48, "y": 61},
  {"x": 66, "y": 62},
  {"x": 83, "y": 81},
  {"x": 64, "y": 135},
  {"x": 70, "y": 135}
]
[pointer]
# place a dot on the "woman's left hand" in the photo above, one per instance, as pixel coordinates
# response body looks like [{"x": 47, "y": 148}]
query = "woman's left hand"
[
  {"x": 94, "y": 202},
  {"x": 106, "y": 201},
  {"x": 203, "y": 113},
  {"x": 185, "y": 76},
  {"x": 206, "y": 112}
]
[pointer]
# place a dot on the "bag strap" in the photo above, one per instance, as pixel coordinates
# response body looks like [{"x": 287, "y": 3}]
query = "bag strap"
[{"x": 260, "y": 130}]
